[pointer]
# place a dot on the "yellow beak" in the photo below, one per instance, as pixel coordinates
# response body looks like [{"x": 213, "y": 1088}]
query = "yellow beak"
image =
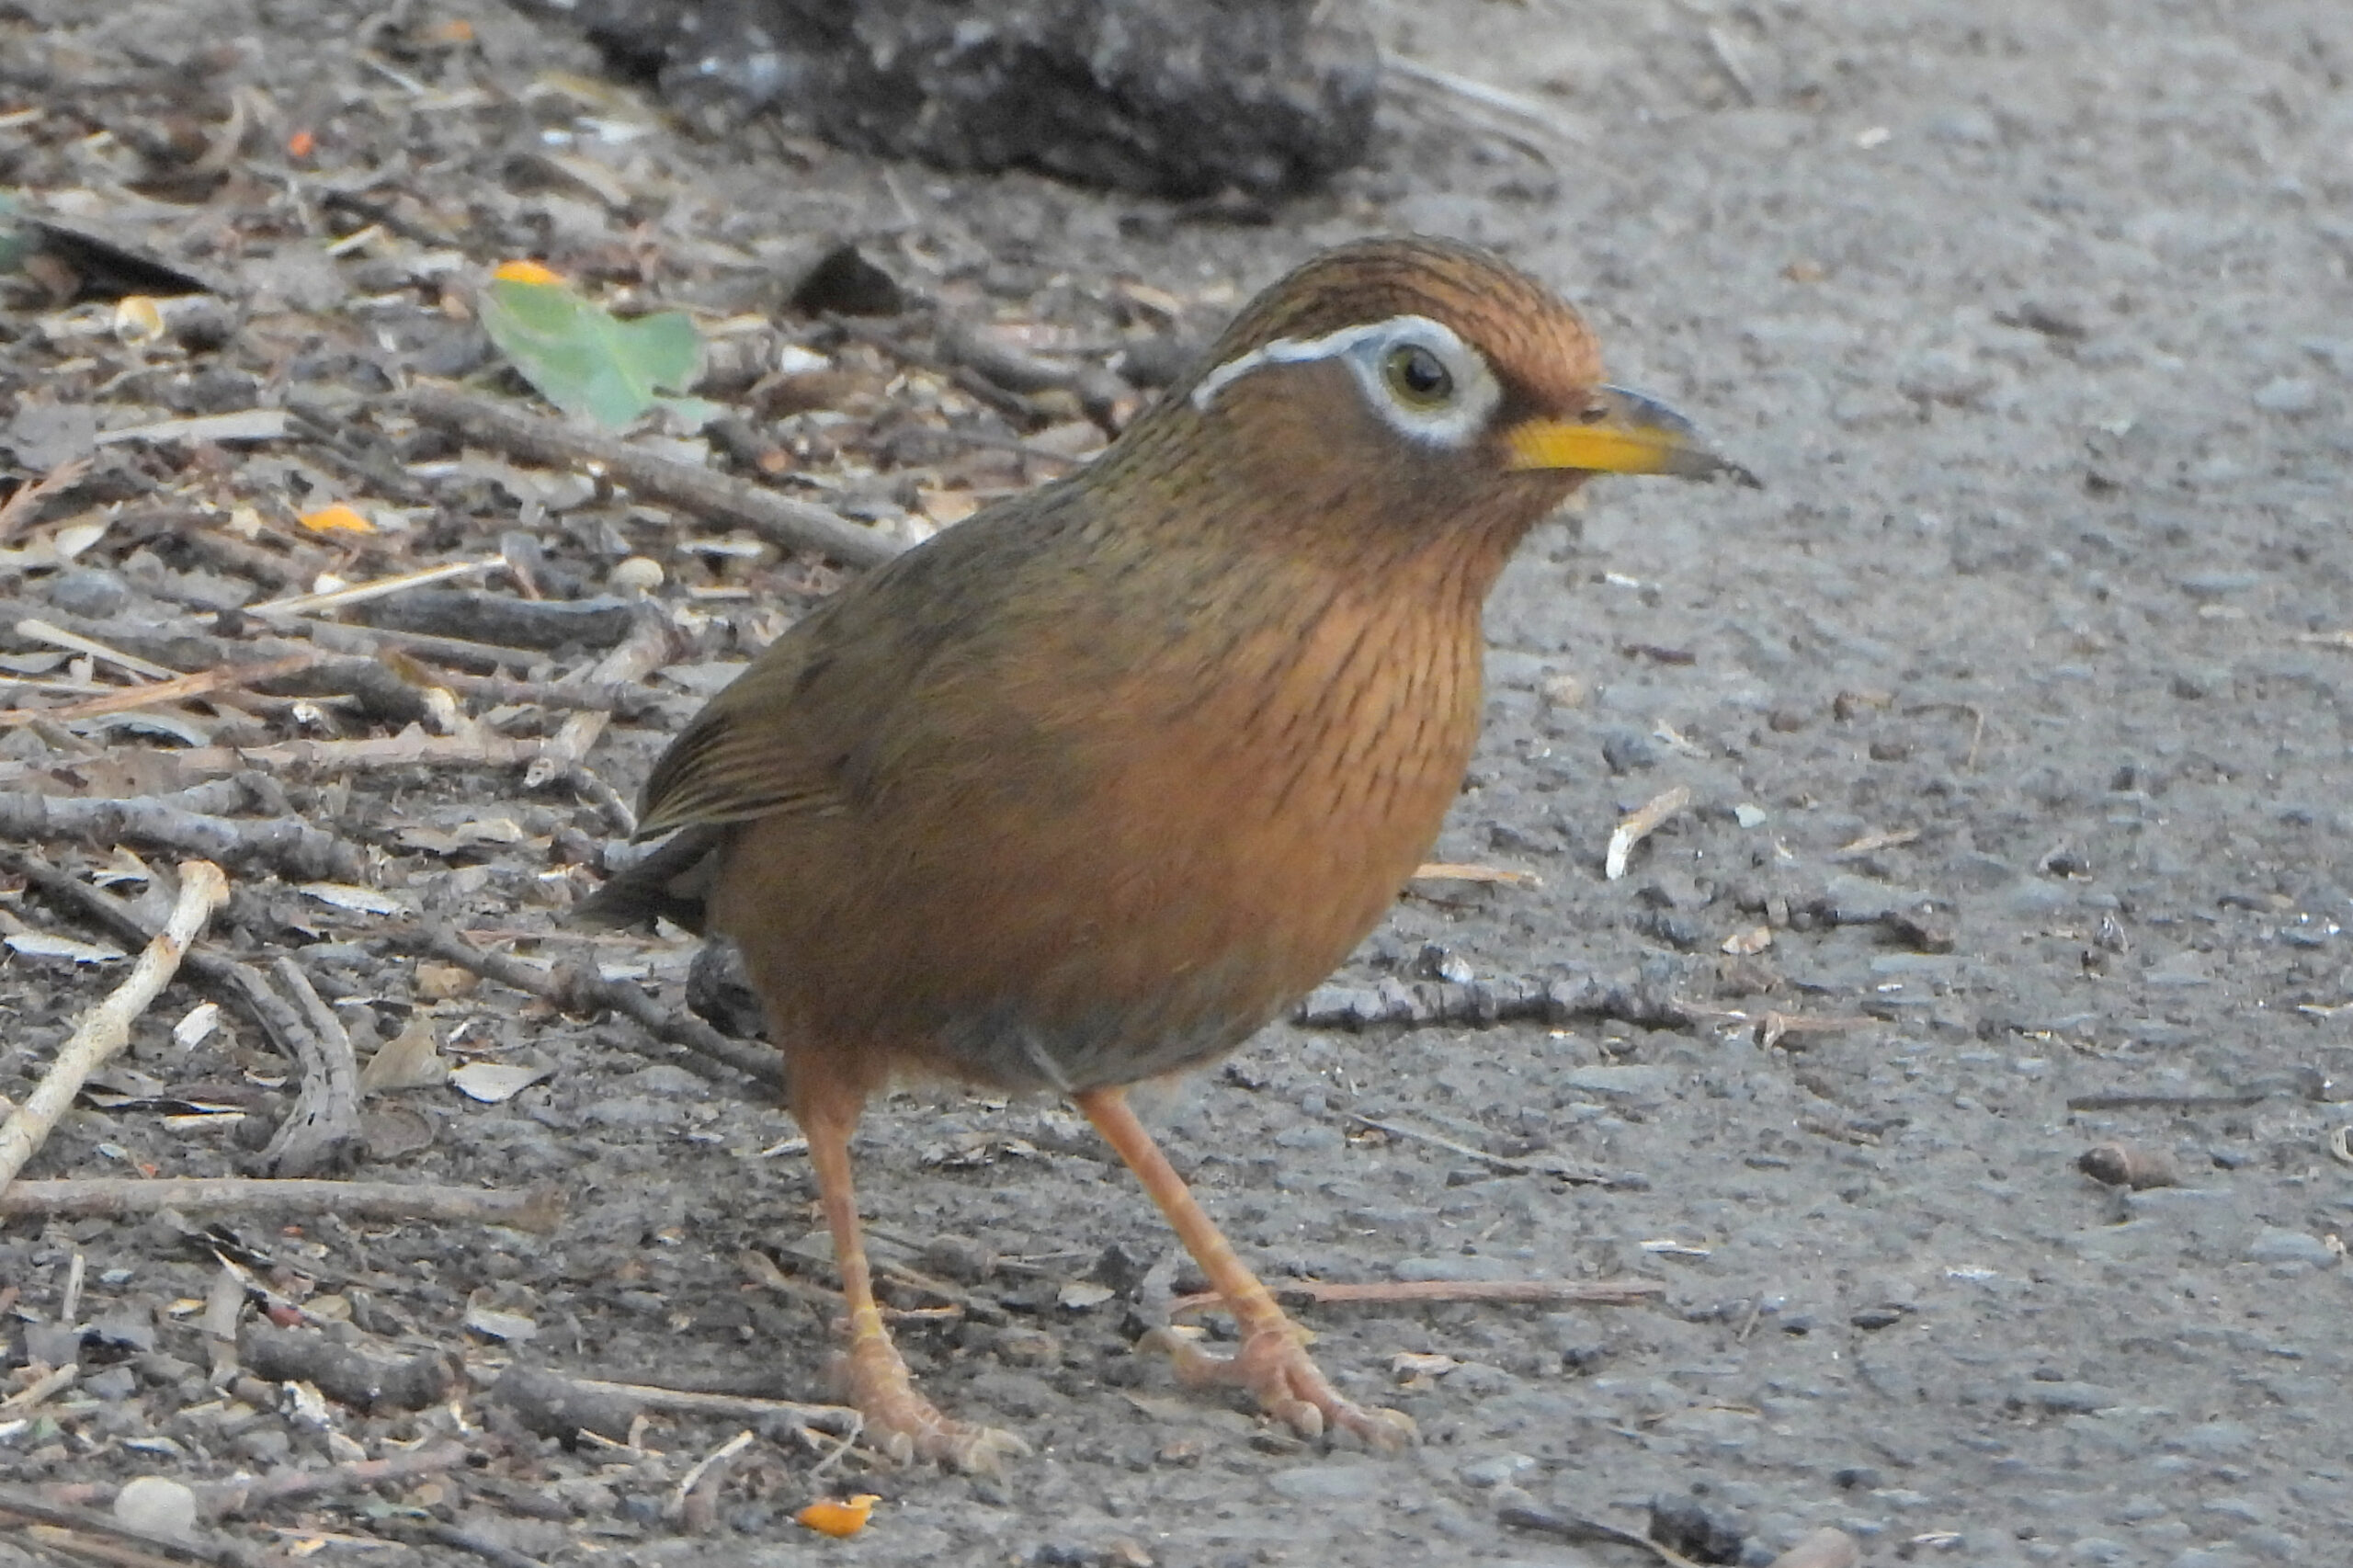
[{"x": 1625, "y": 433}]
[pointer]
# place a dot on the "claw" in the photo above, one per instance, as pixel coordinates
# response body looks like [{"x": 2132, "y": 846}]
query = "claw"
[
  {"x": 906, "y": 1426},
  {"x": 1273, "y": 1364}
]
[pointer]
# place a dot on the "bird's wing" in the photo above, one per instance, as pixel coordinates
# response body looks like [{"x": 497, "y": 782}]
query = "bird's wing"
[{"x": 749, "y": 754}]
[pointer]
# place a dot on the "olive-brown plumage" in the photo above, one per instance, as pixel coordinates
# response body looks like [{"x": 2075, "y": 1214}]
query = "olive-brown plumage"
[{"x": 1090, "y": 787}]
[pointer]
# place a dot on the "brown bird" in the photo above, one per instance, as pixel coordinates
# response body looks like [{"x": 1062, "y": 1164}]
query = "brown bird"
[{"x": 1088, "y": 788}]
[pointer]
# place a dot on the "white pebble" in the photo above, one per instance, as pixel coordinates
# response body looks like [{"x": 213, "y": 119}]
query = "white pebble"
[
  {"x": 637, "y": 576},
  {"x": 153, "y": 1505}
]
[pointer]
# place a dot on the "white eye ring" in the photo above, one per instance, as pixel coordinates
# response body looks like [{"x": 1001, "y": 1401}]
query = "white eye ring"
[{"x": 1450, "y": 421}]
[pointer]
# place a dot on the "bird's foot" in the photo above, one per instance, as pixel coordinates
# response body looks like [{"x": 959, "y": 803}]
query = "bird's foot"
[
  {"x": 904, "y": 1426},
  {"x": 1273, "y": 1364}
]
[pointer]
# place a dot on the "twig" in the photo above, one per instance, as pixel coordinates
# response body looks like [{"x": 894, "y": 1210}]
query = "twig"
[
  {"x": 284, "y": 844},
  {"x": 427, "y": 1528},
  {"x": 1639, "y": 824},
  {"x": 239, "y": 983},
  {"x": 1517, "y": 1165},
  {"x": 1539, "y": 1292},
  {"x": 39, "y": 631},
  {"x": 1479, "y": 1004},
  {"x": 321, "y": 1132},
  {"x": 166, "y": 691},
  {"x": 21, "y": 502},
  {"x": 371, "y": 640},
  {"x": 113, "y": 1197},
  {"x": 789, "y": 524},
  {"x": 241, "y": 1494},
  {"x": 40, "y": 1514},
  {"x": 107, "y": 1028},
  {"x": 714, "y": 1461},
  {"x": 555, "y": 1404},
  {"x": 1531, "y": 1292},
  {"x": 578, "y": 989},
  {"x": 1005, "y": 401},
  {"x": 362, "y": 593},
  {"x": 652, "y": 643},
  {"x": 345, "y": 1373},
  {"x": 34, "y": 1394},
  {"x": 411, "y": 749},
  {"x": 611, "y": 697},
  {"x": 1719, "y": 45},
  {"x": 1577, "y": 1526}
]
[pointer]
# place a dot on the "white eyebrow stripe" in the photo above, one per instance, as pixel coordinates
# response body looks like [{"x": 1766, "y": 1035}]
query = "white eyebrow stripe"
[{"x": 1296, "y": 351}]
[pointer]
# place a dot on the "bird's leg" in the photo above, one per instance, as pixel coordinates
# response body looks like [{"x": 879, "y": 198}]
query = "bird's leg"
[
  {"x": 1273, "y": 1362},
  {"x": 902, "y": 1423}
]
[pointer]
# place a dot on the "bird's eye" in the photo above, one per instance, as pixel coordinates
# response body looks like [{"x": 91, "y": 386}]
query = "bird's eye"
[
  {"x": 1418, "y": 377},
  {"x": 1594, "y": 412}
]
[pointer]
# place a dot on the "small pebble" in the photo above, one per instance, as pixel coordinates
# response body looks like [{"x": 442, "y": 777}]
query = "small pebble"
[
  {"x": 153, "y": 1505},
  {"x": 636, "y": 576},
  {"x": 86, "y": 591},
  {"x": 2276, "y": 1245}
]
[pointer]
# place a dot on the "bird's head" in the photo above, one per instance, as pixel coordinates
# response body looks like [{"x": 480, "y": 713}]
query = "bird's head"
[{"x": 1399, "y": 387}]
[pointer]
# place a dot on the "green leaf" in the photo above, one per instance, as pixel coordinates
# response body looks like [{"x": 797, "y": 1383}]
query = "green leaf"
[{"x": 585, "y": 360}]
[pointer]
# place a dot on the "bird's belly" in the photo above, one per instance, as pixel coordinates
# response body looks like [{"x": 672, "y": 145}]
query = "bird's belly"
[{"x": 1145, "y": 907}]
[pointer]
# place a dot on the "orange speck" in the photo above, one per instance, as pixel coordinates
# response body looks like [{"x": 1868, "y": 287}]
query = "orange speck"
[
  {"x": 526, "y": 272},
  {"x": 457, "y": 30},
  {"x": 840, "y": 1517},
  {"x": 330, "y": 520},
  {"x": 301, "y": 144}
]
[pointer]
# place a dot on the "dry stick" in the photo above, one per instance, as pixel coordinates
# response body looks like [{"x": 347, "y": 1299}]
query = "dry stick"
[
  {"x": 411, "y": 749},
  {"x": 683, "y": 1402},
  {"x": 784, "y": 522},
  {"x": 216, "y": 1499},
  {"x": 608, "y": 697},
  {"x": 1577, "y": 1526},
  {"x": 283, "y": 844},
  {"x": 73, "y": 641},
  {"x": 333, "y": 599},
  {"x": 321, "y": 1132},
  {"x": 19, "y": 505},
  {"x": 414, "y": 1530},
  {"x": 1004, "y": 400},
  {"x": 111, "y": 1197},
  {"x": 371, "y": 640},
  {"x": 1517, "y": 1166},
  {"x": 96, "y": 1535},
  {"x": 1538, "y": 1293},
  {"x": 652, "y": 643},
  {"x": 228, "y": 675},
  {"x": 578, "y": 988},
  {"x": 1639, "y": 824},
  {"x": 239, "y": 983},
  {"x": 107, "y": 1027}
]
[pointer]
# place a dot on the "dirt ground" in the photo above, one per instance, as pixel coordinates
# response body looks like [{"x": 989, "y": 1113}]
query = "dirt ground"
[{"x": 2014, "y": 710}]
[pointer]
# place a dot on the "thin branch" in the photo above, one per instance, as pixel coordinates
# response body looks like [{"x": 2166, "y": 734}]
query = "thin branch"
[
  {"x": 111, "y": 1197},
  {"x": 785, "y": 522},
  {"x": 578, "y": 989},
  {"x": 107, "y": 1028}
]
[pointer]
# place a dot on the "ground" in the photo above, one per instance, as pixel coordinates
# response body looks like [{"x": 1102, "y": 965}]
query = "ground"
[{"x": 2013, "y": 711}]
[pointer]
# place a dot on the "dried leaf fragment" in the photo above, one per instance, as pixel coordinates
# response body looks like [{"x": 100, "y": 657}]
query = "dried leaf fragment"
[
  {"x": 840, "y": 1517},
  {"x": 336, "y": 518},
  {"x": 42, "y": 945},
  {"x": 494, "y": 1083}
]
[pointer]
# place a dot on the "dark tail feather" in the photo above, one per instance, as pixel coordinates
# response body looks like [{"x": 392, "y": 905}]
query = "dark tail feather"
[{"x": 670, "y": 881}]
